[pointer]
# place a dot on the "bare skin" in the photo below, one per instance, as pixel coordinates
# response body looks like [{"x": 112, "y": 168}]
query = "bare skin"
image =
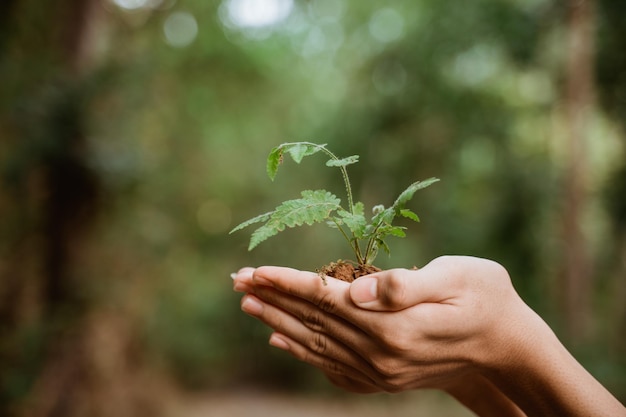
[{"x": 457, "y": 325}]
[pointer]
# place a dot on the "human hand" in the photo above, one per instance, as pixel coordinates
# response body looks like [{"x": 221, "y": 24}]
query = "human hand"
[
  {"x": 428, "y": 327},
  {"x": 457, "y": 324}
]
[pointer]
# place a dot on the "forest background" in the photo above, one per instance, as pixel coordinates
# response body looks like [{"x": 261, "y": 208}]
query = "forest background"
[{"x": 133, "y": 137}]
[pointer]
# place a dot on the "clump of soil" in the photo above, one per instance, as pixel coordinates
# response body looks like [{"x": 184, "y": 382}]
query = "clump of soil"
[{"x": 346, "y": 270}]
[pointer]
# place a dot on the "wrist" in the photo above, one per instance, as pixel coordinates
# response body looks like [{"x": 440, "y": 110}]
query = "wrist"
[{"x": 538, "y": 373}]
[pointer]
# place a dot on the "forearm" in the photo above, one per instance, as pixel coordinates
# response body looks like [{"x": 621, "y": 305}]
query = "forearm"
[
  {"x": 544, "y": 379},
  {"x": 478, "y": 394}
]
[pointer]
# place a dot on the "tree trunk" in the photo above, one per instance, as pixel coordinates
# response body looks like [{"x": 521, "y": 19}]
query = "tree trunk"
[
  {"x": 60, "y": 354},
  {"x": 577, "y": 266}
]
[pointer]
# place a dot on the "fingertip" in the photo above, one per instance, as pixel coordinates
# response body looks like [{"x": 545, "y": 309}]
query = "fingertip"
[
  {"x": 242, "y": 279},
  {"x": 384, "y": 291},
  {"x": 252, "y": 305},
  {"x": 364, "y": 290},
  {"x": 279, "y": 341},
  {"x": 243, "y": 273}
]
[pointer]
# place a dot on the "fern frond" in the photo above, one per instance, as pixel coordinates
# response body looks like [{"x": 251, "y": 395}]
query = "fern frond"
[
  {"x": 313, "y": 207},
  {"x": 407, "y": 194},
  {"x": 258, "y": 219},
  {"x": 355, "y": 221}
]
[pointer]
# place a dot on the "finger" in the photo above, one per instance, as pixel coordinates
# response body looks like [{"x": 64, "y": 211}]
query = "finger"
[
  {"x": 398, "y": 289},
  {"x": 315, "y": 343},
  {"x": 331, "y": 296},
  {"x": 242, "y": 280},
  {"x": 340, "y": 371},
  {"x": 318, "y": 320}
]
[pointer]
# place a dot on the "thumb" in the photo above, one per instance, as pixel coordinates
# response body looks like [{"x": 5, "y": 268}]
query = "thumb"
[{"x": 394, "y": 290}]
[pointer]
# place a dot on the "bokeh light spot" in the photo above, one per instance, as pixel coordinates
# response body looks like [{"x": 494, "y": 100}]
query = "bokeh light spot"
[
  {"x": 180, "y": 29},
  {"x": 386, "y": 25},
  {"x": 131, "y": 4},
  {"x": 257, "y": 13}
]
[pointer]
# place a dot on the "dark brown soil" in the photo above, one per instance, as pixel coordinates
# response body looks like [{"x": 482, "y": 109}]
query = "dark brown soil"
[{"x": 346, "y": 270}]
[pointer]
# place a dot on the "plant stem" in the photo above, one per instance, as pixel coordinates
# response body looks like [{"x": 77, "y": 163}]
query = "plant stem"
[
  {"x": 352, "y": 242},
  {"x": 371, "y": 242},
  {"x": 346, "y": 181},
  {"x": 344, "y": 173}
]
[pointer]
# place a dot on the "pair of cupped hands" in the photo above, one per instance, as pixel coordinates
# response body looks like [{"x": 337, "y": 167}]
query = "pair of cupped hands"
[{"x": 456, "y": 324}]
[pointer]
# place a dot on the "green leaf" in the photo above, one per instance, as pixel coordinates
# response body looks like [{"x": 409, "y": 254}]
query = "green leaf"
[
  {"x": 407, "y": 194},
  {"x": 343, "y": 162},
  {"x": 261, "y": 234},
  {"x": 274, "y": 159},
  {"x": 358, "y": 208},
  {"x": 313, "y": 207},
  {"x": 397, "y": 231},
  {"x": 260, "y": 218},
  {"x": 409, "y": 215},
  {"x": 381, "y": 243},
  {"x": 355, "y": 221},
  {"x": 384, "y": 217},
  {"x": 297, "y": 151}
]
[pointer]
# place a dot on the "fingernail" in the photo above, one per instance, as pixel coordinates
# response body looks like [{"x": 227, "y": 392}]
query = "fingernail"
[
  {"x": 278, "y": 342},
  {"x": 251, "y": 306},
  {"x": 364, "y": 290},
  {"x": 262, "y": 281},
  {"x": 233, "y": 275},
  {"x": 241, "y": 287}
]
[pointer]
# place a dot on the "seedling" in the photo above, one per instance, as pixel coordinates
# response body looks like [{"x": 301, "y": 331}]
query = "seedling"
[{"x": 364, "y": 236}]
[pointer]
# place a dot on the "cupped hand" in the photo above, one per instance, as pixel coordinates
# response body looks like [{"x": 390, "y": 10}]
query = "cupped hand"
[{"x": 394, "y": 330}]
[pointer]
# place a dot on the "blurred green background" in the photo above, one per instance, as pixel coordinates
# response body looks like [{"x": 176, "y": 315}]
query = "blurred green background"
[{"x": 133, "y": 137}]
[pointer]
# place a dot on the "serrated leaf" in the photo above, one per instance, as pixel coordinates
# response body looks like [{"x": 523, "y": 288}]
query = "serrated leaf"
[
  {"x": 358, "y": 208},
  {"x": 258, "y": 219},
  {"x": 407, "y": 194},
  {"x": 343, "y": 162},
  {"x": 409, "y": 215},
  {"x": 356, "y": 221},
  {"x": 261, "y": 234},
  {"x": 313, "y": 207}
]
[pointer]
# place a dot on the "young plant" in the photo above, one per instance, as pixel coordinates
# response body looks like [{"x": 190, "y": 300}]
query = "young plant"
[{"x": 364, "y": 236}]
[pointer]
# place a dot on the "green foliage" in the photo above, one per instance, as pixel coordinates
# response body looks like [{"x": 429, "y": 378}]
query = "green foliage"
[{"x": 322, "y": 206}]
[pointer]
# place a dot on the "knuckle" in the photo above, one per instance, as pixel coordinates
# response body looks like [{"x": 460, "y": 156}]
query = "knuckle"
[
  {"x": 313, "y": 320},
  {"x": 394, "y": 292},
  {"x": 326, "y": 302},
  {"x": 318, "y": 343}
]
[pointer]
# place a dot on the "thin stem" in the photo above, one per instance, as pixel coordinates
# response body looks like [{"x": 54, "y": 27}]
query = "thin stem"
[
  {"x": 371, "y": 242},
  {"x": 346, "y": 181},
  {"x": 350, "y": 242},
  {"x": 344, "y": 173}
]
